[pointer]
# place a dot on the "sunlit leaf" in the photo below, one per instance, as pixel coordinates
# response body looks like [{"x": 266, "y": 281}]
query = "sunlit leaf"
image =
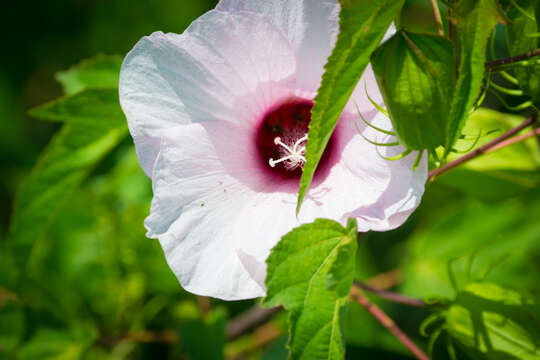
[
  {"x": 474, "y": 20},
  {"x": 94, "y": 125},
  {"x": 489, "y": 322},
  {"x": 98, "y": 72},
  {"x": 300, "y": 268},
  {"x": 363, "y": 24},
  {"x": 470, "y": 241},
  {"x": 507, "y": 172},
  {"x": 416, "y": 75}
]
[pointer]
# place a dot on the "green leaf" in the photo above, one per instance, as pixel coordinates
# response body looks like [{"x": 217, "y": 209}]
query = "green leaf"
[
  {"x": 202, "y": 337},
  {"x": 98, "y": 107},
  {"x": 12, "y": 326},
  {"x": 55, "y": 344},
  {"x": 94, "y": 125},
  {"x": 501, "y": 174},
  {"x": 324, "y": 251},
  {"x": 99, "y": 72},
  {"x": 474, "y": 21},
  {"x": 497, "y": 241},
  {"x": 520, "y": 43},
  {"x": 416, "y": 75},
  {"x": 363, "y": 24},
  {"x": 490, "y": 322}
]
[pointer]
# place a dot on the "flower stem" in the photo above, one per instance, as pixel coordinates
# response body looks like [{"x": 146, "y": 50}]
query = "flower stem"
[
  {"x": 388, "y": 323},
  {"x": 391, "y": 296},
  {"x": 513, "y": 59},
  {"x": 493, "y": 145},
  {"x": 437, "y": 15}
]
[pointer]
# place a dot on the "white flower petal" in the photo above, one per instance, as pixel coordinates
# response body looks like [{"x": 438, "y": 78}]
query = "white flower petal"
[
  {"x": 310, "y": 26},
  {"x": 211, "y": 72},
  {"x": 194, "y": 103},
  {"x": 194, "y": 206},
  {"x": 380, "y": 193}
]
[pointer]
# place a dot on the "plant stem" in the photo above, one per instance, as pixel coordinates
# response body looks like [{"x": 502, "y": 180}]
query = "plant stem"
[
  {"x": 437, "y": 15},
  {"x": 255, "y": 316},
  {"x": 388, "y": 323},
  {"x": 513, "y": 59},
  {"x": 249, "y": 320},
  {"x": 514, "y": 140},
  {"x": 394, "y": 297},
  {"x": 484, "y": 149}
]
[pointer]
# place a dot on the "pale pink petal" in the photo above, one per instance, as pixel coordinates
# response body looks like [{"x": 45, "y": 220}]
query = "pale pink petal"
[
  {"x": 194, "y": 206},
  {"x": 380, "y": 193},
  {"x": 310, "y": 26},
  {"x": 211, "y": 72}
]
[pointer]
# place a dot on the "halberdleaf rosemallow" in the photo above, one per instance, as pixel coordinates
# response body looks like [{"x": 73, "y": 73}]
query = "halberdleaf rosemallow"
[{"x": 219, "y": 117}]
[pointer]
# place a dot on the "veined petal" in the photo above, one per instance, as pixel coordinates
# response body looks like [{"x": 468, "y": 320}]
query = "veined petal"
[
  {"x": 380, "y": 193},
  {"x": 310, "y": 26},
  {"x": 194, "y": 206},
  {"x": 211, "y": 72}
]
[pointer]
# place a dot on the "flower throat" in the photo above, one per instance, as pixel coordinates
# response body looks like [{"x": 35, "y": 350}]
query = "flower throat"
[{"x": 282, "y": 138}]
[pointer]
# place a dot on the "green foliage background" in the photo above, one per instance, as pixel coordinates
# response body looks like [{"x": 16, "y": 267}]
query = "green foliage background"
[{"x": 91, "y": 286}]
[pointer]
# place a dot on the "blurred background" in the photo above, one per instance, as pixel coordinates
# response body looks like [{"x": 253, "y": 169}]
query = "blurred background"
[{"x": 96, "y": 288}]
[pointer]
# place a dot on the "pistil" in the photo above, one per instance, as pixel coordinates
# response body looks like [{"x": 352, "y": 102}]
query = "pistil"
[{"x": 292, "y": 157}]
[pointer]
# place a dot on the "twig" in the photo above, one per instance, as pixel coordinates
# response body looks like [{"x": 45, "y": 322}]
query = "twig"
[
  {"x": 437, "y": 15},
  {"x": 388, "y": 323},
  {"x": 514, "y": 140},
  {"x": 249, "y": 320},
  {"x": 486, "y": 148},
  {"x": 513, "y": 59},
  {"x": 385, "y": 280},
  {"x": 255, "y": 316},
  {"x": 388, "y": 295}
]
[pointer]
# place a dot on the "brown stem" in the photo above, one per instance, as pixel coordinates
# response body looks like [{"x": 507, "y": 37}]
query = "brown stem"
[
  {"x": 486, "y": 148},
  {"x": 513, "y": 59},
  {"x": 388, "y": 323},
  {"x": 249, "y": 320},
  {"x": 388, "y": 295},
  {"x": 437, "y": 15},
  {"x": 515, "y": 139},
  {"x": 385, "y": 280}
]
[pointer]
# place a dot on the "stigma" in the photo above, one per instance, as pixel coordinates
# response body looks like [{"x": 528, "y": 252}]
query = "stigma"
[{"x": 292, "y": 154}]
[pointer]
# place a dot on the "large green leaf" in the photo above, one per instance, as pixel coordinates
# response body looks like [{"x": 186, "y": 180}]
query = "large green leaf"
[
  {"x": 490, "y": 322},
  {"x": 94, "y": 125},
  {"x": 310, "y": 273},
  {"x": 416, "y": 75},
  {"x": 99, "y": 72},
  {"x": 362, "y": 26},
  {"x": 474, "y": 20},
  {"x": 499, "y": 242}
]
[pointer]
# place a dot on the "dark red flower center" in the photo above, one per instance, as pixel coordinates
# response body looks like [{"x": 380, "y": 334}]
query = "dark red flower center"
[{"x": 282, "y": 137}]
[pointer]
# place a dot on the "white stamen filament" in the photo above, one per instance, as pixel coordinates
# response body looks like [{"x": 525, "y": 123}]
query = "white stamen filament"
[{"x": 292, "y": 157}]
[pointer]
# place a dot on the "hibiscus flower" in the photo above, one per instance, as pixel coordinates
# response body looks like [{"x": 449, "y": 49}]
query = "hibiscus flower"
[{"x": 219, "y": 116}]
